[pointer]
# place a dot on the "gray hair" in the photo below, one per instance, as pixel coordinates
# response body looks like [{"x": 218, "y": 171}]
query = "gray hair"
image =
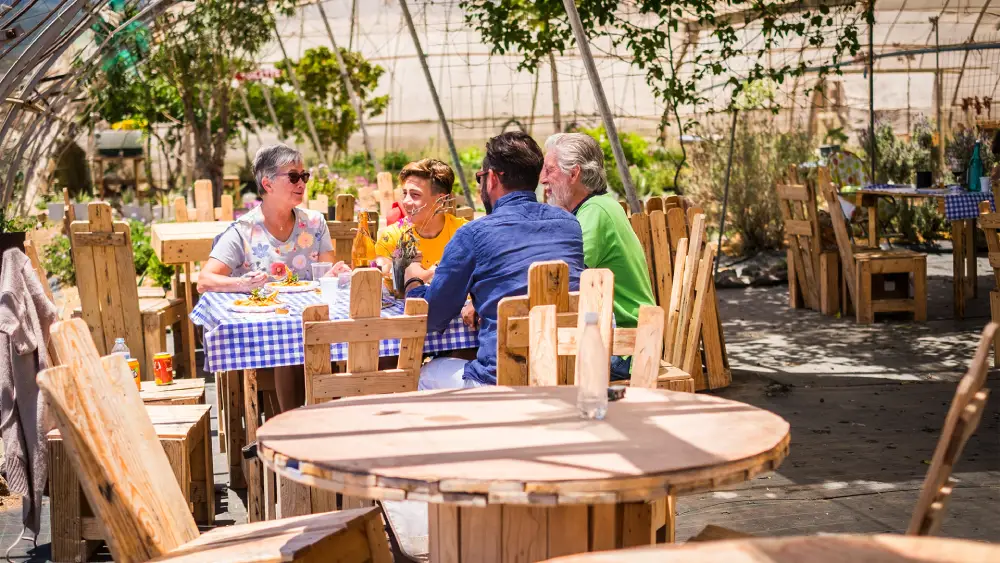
[
  {"x": 577, "y": 149},
  {"x": 269, "y": 159}
]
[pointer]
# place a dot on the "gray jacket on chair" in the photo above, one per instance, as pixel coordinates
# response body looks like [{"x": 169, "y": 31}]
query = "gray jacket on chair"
[{"x": 25, "y": 317}]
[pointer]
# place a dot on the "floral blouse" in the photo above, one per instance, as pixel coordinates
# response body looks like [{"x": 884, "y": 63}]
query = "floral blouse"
[{"x": 247, "y": 246}]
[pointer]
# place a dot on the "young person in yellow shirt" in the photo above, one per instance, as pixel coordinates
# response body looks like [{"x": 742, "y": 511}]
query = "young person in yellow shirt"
[{"x": 426, "y": 185}]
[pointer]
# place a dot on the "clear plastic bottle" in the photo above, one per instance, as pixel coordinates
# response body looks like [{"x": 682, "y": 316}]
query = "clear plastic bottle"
[
  {"x": 121, "y": 348},
  {"x": 593, "y": 370}
]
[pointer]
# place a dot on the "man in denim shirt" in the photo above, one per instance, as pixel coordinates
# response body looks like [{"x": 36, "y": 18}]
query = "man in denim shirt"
[{"x": 489, "y": 257}]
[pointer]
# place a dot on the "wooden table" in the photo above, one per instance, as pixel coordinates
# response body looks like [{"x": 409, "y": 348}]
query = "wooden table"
[
  {"x": 962, "y": 237},
  {"x": 183, "y": 244},
  {"x": 813, "y": 549},
  {"x": 514, "y": 473}
]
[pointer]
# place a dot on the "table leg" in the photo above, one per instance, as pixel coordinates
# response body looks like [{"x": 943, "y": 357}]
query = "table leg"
[
  {"x": 255, "y": 489},
  {"x": 491, "y": 534},
  {"x": 958, "y": 267},
  {"x": 873, "y": 224},
  {"x": 186, "y": 323},
  {"x": 970, "y": 258},
  {"x": 234, "y": 428}
]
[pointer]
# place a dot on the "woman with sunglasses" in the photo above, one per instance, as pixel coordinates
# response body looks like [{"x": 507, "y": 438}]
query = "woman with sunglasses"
[{"x": 272, "y": 240}]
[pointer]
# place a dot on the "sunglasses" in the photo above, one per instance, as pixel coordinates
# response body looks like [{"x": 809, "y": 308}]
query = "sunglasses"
[
  {"x": 294, "y": 176},
  {"x": 482, "y": 174}
]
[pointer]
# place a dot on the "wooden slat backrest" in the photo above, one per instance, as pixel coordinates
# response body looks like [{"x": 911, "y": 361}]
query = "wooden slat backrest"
[
  {"x": 105, "y": 274},
  {"x": 204, "y": 202},
  {"x": 548, "y": 284},
  {"x": 225, "y": 211},
  {"x": 798, "y": 209},
  {"x": 344, "y": 226},
  {"x": 654, "y": 203},
  {"x": 689, "y": 299},
  {"x": 466, "y": 213},
  {"x": 386, "y": 194},
  {"x": 840, "y": 230},
  {"x": 550, "y": 338},
  {"x": 654, "y": 237},
  {"x": 36, "y": 265},
  {"x": 123, "y": 469},
  {"x": 989, "y": 222},
  {"x": 960, "y": 423},
  {"x": 362, "y": 332}
]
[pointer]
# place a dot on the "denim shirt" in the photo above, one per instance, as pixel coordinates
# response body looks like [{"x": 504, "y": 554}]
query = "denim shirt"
[{"x": 489, "y": 259}]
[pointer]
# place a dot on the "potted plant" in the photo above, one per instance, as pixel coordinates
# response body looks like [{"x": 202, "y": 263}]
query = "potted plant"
[{"x": 13, "y": 229}]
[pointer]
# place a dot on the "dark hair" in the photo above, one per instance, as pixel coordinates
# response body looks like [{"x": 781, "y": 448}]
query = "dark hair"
[
  {"x": 517, "y": 158},
  {"x": 441, "y": 176}
]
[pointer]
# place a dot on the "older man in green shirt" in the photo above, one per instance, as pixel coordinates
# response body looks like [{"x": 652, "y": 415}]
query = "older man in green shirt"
[{"x": 575, "y": 180}]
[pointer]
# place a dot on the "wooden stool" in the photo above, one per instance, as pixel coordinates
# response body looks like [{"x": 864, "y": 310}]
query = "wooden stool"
[
  {"x": 184, "y": 432},
  {"x": 157, "y": 315},
  {"x": 180, "y": 392}
]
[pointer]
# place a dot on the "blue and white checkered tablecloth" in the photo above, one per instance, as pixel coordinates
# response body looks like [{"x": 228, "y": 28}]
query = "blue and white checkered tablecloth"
[
  {"x": 959, "y": 204},
  {"x": 236, "y": 341}
]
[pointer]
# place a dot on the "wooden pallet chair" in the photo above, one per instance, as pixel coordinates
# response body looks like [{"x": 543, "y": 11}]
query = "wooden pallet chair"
[
  {"x": 660, "y": 235},
  {"x": 554, "y": 339},
  {"x": 467, "y": 213},
  {"x": 344, "y": 226},
  {"x": 868, "y": 272},
  {"x": 989, "y": 222},
  {"x": 225, "y": 210},
  {"x": 363, "y": 376},
  {"x": 813, "y": 273},
  {"x": 184, "y": 432},
  {"x": 127, "y": 478},
  {"x": 36, "y": 265},
  {"x": 204, "y": 201},
  {"x": 109, "y": 295},
  {"x": 960, "y": 423}
]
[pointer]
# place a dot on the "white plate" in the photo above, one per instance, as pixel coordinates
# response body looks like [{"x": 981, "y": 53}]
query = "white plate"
[
  {"x": 309, "y": 286},
  {"x": 254, "y": 309}
]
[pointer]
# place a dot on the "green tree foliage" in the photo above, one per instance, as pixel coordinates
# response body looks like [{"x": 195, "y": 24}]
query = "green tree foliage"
[{"x": 653, "y": 30}]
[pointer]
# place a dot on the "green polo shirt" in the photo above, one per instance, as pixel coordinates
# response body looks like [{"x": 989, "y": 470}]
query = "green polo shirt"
[{"x": 609, "y": 242}]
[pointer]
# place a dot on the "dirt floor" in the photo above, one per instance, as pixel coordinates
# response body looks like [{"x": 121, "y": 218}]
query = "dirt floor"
[{"x": 865, "y": 403}]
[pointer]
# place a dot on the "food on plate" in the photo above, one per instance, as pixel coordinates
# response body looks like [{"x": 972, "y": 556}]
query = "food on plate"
[
  {"x": 291, "y": 280},
  {"x": 258, "y": 299}
]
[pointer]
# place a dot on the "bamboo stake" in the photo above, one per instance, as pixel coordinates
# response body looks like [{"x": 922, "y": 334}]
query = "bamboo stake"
[
  {"x": 355, "y": 100},
  {"x": 602, "y": 105},
  {"x": 298, "y": 94},
  {"x": 437, "y": 103}
]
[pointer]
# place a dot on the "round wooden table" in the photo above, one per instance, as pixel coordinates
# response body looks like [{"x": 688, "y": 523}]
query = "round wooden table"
[
  {"x": 514, "y": 472},
  {"x": 814, "y": 549}
]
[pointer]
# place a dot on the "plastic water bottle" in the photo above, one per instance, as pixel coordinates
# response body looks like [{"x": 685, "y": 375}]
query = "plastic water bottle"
[
  {"x": 121, "y": 348},
  {"x": 593, "y": 367}
]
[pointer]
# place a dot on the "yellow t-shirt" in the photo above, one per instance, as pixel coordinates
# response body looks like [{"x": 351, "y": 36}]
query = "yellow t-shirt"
[{"x": 432, "y": 249}]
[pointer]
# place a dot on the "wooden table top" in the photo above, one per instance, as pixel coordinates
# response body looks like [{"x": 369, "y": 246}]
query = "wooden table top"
[
  {"x": 814, "y": 549},
  {"x": 169, "y": 421},
  {"x": 522, "y": 445},
  {"x": 186, "y": 389},
  {"x": 177, "y": 243}
]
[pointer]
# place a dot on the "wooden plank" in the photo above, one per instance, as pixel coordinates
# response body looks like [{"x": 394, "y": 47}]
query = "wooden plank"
[
  {"x": 677, "y": 227},
  {"x": 654, "y": 204},
  {"x": 365, "y": 330},
  {"x": 713, "y": 342},
  {"x": 234, "y": 428},
  {"x": 128, "y": 297},
  {"x": 662, "y": 265},
  {"x": 378, "y": 542},
  {"x": 317, "y": 355},
  {"x": 798, "y": 227},
  {"x": 605, "y": 529},
  {"x": 524, "y": 530},
  {"x": 480, "y": 537},
  {"x": 687, "y": 301},
  {"x": 648, "y": 347},
  {"x": 448, "y": 534},
  {"x": 641, "y": 228},
  {"x": 100, "y": 239},
  {"x": 345, "y": 208},
  {"x": 385, "y": 192},
  {"x": 366, "y": 302},
  {"x": 673, "y": 310},
  {"x": 411, "y": 350},
  {"x": 293, "y": 499},
  {"x": 512, "y": 363},
  {"x": 125, "y": 474},
  {"x": 203, "y": 200},
  {"x": 893, "y": 306},
  {"x": 543, "y": 368},
  {"x": 793, "y": 192},
  {"x": 187, "y": 326},
  {"x": 691, "y": 359},
  {"x": 995, "y": 317},
  {"x": 255, "y": 485},
  {"x": 66, "y": 507},
  {"x": 637, "y": 525},
  {"x": 86, "y": 281},
  {"x": 569, "y": 528},
  {"x": 181, "y": 210},
  {"x": 844, "y": 246},
  {"x": 863, "y": 304},
  {"x": 109, "y": 291},
  {"x": 548, "y": 284},
  {"x": 226, "y": 208},
  {"x": 920, "y": 290},
  {"x": 829, "y": 284}
]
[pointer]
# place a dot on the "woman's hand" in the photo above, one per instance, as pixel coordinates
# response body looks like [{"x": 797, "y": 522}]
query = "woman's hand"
[
  {"x": 251, "y": 281},
  {"x": 337, "y": 269},
  {"x": 469, "y": 316}
]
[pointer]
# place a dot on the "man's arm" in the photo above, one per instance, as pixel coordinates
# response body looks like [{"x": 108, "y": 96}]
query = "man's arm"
[{"x": 451, "y": 283}]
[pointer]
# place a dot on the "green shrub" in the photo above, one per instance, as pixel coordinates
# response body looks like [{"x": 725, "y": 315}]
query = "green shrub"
[
  {"x": 394, "y": 161},
  {"x": 761, "y": 158},
  {"x": 58, "y": 261},
  {"x": 145, "y": 261}
]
